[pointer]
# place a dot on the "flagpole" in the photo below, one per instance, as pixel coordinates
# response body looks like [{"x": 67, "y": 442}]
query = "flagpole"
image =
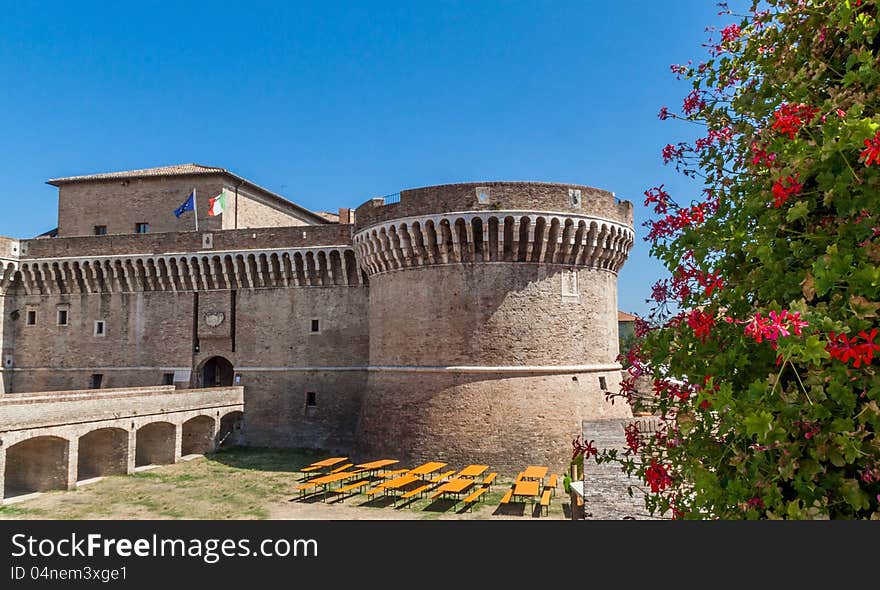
[{"x": 196, "y": 209}]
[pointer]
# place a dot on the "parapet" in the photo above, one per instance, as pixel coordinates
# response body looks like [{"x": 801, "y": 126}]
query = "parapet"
[{"x": 488, "y": 196}]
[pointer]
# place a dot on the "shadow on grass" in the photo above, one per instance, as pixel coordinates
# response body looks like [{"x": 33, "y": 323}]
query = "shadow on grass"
[
  {"x": 379, "y": 502},
  {"x": 266, "y": 459},
  {"x": 440, "y": 505},
  {"x": 511, "y": 509}
]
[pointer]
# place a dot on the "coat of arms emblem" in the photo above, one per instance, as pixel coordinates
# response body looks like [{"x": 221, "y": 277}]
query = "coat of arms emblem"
[{"x": 214, "y": 318}]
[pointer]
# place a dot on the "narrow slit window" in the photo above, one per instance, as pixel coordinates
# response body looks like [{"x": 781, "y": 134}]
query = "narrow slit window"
[
  {"x": 62, "y": 317},
  {"x": 603, "y": 385},
  {"x": 31, "y": 318},
  {"x": 311, "y": 399},
  {"x": 316, "y": 326},
  {"x": 99, "y": 328}
]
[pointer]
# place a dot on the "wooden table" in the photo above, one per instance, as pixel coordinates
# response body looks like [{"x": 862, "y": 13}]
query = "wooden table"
[
  {"x": 377, "y": 464},
  {"x": 399, "y": 482},
  {"x": 427, "y": 468},
  {"x": 325, "y": 481},
  {"x": 473, "y": 471},
  {"x": 322, "y": 465},
  {"x": 527, "y": 488},
  {"x": 455, "y": 486},
  {"x": 534, "y": 472}
]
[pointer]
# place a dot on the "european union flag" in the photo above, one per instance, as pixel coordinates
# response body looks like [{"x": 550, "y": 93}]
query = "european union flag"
[{"x": 188, "y": 205}]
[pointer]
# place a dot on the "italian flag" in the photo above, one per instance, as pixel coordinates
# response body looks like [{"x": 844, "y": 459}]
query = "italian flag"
[{"x": 217, "y": 204}]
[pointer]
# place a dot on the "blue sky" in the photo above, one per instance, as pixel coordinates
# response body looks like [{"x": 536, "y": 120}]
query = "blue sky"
[{"x": 331, "y": 103}]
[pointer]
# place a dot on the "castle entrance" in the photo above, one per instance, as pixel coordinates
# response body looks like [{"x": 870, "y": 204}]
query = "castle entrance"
[{"x": 217, "y": 372}]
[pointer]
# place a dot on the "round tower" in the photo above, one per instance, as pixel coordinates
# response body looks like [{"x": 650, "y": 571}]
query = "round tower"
[{"x": 493, "y": 320}]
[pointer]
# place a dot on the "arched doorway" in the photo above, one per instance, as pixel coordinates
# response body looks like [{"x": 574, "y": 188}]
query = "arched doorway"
[{"x": 217, "y": 372}]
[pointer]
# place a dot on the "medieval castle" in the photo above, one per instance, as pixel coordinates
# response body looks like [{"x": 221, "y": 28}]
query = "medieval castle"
[{"x": 463, "y": 322}]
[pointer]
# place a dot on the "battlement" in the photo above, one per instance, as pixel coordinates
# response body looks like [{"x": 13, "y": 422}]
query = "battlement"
[{"x": 493, "y": 196}]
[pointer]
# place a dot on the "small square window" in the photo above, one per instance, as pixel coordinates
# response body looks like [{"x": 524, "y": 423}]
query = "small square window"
[
  {"x": 603, "y": 385},
  {"x": 142, "y": 228},
  {"x": 100, "y": 230},
  {"x": 99, "y": 328},
  {"x": 311, "y": 399},
  {"x": 95, "y": 381},
  {"x": 316, "y": 326},
  {"x": 62, "y": 317},
  {"x": 168, "y": 379},
  {"x": 31, "y": 317}
]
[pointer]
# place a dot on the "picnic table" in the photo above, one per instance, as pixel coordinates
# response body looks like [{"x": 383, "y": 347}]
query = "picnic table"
[
  {"x": 325, "y": 481},
  {"x": 373, "y": 466},
  {"x": 427, "y": 468},
  {"x": 473, "y": 471},
  {"x": 534, "y": 472},
  {"x": 323, "y": 464},
  {"x": 454, "y": 486},
  {"x": 527, "y": 488}
]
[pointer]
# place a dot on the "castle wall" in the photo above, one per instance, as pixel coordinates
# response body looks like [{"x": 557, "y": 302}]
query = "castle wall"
[
  {"x": 521, "y": 196},
  {"x": 280, "y": 360},
  {"x": 120, "y": 204},
  {"x": 255, "y": 212},
  {"x": 145, "y": 335}
]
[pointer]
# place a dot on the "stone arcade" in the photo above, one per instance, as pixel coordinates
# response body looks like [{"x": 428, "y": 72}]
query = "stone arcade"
[{"x": 464, "y": 322}]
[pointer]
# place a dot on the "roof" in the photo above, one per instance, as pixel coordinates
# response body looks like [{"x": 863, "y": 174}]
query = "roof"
[
  {"x": 331, "y": 217},
  {"x": 622, "y": 316},
  {"x": 183, "y": 170}
]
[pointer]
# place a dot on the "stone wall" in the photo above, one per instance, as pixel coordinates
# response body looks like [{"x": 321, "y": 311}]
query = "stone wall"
[
  {"x": 525, "y": 196},
  {"x": 119, "y": 204},
  {"x": 189, "y": 242},
  {"x": 145, "y": 336}
]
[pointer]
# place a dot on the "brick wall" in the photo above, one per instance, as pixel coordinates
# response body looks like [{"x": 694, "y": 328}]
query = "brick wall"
[
  {"x": 529, "y": 196},
  {"x": 242, "y": 239}
]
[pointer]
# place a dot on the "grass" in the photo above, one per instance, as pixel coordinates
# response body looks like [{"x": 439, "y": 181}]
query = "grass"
[{"x": 243, "y": 484}]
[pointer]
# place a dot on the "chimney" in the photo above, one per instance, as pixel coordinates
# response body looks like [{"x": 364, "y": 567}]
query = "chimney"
[{"x": 345, "y": 215}]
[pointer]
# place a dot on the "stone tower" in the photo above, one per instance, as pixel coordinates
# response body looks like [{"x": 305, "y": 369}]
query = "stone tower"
[{"x": 492, "y": 320}]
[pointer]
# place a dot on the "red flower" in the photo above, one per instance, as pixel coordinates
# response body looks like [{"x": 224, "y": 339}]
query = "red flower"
[
  {"x": 781, "y": 192},
  {"x": 664, "y": 114},
  {"x": 730, "y": 33},
  {"x": 633, "y": 439},
  {"x": 701, "y": 323},
  {"x": 658, "y": 196},
  {"x": 849, "y": 349},
  {"x": 791, "y": 117},
  {"x": 871, "y": 153},
  {"x": 710, "y": 281},
  {"x": 657, "y": 477},
  {"x": 693, "y": 102},
  {"x": 671, "y": 152}
]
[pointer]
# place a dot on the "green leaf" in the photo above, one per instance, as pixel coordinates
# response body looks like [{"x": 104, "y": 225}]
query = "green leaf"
[
  {"x": 798, "y": 211},
  {"x": 854, "y": 495}
]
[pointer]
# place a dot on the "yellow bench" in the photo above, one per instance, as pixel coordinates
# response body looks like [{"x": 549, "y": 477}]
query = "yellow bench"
[
  {"x": 352, "y": 486},
  {"x": 545, "y": 501},
  {"x": 415, "y": 492},
  {"x": 469, "y": 501},
  {"x": 551, "y": 483},
  {"x": 442, "y": 476},
  {"x": 490, "y": 479},
  {"x": 374, "y": 491},
  {"x": 507, "y": 496},
  {"x": 390, "y": 474},
  {"x": 343, "y": 468}
]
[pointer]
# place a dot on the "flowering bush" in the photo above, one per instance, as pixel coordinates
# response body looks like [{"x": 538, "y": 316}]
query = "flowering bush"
[{"x": 762, "y": 343}]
